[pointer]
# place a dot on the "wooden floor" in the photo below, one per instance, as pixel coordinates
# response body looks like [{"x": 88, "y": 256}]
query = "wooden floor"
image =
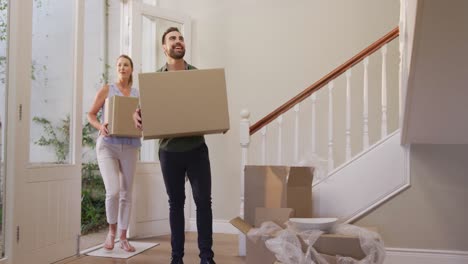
[{"x": 225, "y": 248}]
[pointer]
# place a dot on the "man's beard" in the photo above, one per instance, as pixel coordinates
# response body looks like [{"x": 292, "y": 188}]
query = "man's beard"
[{"x": 176, "y": 55}]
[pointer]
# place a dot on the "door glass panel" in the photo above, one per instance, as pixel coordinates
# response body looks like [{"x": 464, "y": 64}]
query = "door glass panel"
[
  {"x": 52, "y": 81},
  {"x": 153, "y": 58},
  {"x": 152, "y": 54},
  {"x": 3, "y": 107}
]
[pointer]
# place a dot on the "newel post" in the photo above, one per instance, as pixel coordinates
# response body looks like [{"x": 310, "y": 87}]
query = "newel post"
[{"x": 244, "y": 130}]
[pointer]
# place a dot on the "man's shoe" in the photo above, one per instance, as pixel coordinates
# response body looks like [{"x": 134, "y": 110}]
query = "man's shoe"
[
  {"x": 177, "y": 261},
  {"x": 207, "y": 261}
]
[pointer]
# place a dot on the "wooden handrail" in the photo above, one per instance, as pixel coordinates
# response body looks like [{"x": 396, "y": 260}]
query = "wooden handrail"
[{"x": 326, "y": 79}]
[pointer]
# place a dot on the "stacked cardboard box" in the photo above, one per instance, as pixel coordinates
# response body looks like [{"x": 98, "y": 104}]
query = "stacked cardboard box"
[{"x": 277, "y": 193}]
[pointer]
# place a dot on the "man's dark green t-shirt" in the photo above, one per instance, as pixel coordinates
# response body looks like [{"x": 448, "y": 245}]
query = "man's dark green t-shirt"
[{"x": 180, "y": 144}]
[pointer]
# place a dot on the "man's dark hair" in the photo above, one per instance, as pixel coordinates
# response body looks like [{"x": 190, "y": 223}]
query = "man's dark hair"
[{"x": 169, "y": 30}]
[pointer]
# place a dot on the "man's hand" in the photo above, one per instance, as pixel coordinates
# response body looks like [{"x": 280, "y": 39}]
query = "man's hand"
[{"x": 137, "y": 119}]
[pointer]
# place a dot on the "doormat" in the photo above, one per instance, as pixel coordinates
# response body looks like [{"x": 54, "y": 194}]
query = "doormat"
[{"x": 117, "y": 252}]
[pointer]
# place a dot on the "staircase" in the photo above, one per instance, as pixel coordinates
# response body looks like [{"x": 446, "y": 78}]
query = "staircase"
[
  {"x": 373, "y": 157},
  {"x": 345, "y": 126},
  {"x": 362, "y": 168}
]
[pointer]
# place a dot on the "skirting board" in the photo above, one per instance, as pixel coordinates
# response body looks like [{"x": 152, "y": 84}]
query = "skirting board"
[
  {"x": 424, "y": 256},
  {"x": 219, "y": 226}
]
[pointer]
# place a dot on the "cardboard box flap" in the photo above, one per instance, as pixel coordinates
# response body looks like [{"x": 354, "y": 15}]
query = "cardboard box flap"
[
  {"x": 277, "y": 215},
  {"x": 302, "y": 177},
  {"x": 257, "y": 252},
  {"x": 299, "y": 195},
  {"x": 270, "y": 187},
  {"x": 333, "y": 244},
  {"x": 240, "y": 224},
  {"x": 264, "y": 187}
]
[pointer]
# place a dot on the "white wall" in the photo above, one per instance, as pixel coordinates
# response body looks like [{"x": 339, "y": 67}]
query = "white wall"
[
  {"x": 432, "y": 213},
  {"x": 271, "y": 50}
]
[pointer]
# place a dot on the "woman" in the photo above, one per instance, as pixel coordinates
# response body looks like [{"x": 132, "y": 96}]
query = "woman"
[{"x": 117, "y": 157}]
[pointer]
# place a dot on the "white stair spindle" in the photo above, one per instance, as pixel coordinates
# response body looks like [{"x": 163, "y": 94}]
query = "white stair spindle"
[
  {"x": 384, "y": 91},
  {"x": 314, "y": 127},
  {"x": 365, "y": 140},
  {"x": 330, "y": 127},
  {"x": 348, "y": 114},
  {"x": 280, "y": 141},
  {"x": 296, "y": 134},
  {"x": 244, "y": 130},
  {"x": 147, "y": 152},
  {"x": 263, "y": 131}
]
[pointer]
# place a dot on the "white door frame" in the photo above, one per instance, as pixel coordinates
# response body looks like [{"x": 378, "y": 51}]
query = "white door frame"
[
  {"x": 19, "y": 173},
  {"x": 150, "y": 218}
]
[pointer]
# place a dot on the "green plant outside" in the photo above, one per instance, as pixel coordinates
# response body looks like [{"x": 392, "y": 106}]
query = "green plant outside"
[
  {"x": 56, "y": 137},
  {"x": 93, "y": 194}
]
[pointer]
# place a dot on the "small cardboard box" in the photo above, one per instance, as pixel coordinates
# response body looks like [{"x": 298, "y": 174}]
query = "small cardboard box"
[
  {"x": 258, "y": 252},
  {"x": 118, "y": 111},
  {"x": 278, "y": 187},
  {"x": 183, "y": 103}
]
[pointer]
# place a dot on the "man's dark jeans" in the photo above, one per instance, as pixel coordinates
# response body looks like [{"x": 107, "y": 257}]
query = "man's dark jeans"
[{"x": 196, "y": 165}]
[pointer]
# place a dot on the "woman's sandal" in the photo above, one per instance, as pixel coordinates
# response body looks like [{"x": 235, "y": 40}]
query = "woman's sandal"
[
  {"x": 109, "y": 243},
  {"x": 125, "y": 245}
]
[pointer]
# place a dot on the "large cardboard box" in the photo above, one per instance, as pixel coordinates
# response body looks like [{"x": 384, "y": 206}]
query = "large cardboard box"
[
  {"x": 118, "y": 111},
  {"x": 183, "y": 103},
  {"x": 277, "y": 187}
]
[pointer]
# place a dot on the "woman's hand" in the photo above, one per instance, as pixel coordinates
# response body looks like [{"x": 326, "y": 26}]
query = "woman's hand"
[
  {"x": 137, "y": 119},
  {"x": 103, "y": 130}
]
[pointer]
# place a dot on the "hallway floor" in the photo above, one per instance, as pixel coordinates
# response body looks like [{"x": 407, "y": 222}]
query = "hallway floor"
[{"x": 225, "y": 248}]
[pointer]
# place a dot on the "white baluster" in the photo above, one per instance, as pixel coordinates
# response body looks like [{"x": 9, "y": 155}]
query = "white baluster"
[
  {"x": 365, "y": 140},
  {"x": 147, "y": 152},
  {"x": 244, "y": 130},
  {"x": 280, "y": 141},
  {"x": 384, "y": 91},
  {"x": 330, "y": 127},
  {"x": 263, "y": 131},
  {"x": 348, "y": 114},
  {"x": 296, "y": 134},
  {"x": 314, "y": 127}
]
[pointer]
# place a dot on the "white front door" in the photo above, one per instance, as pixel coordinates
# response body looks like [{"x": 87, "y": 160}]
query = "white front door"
[
  {"x": 44, "y": 132},
  {"x": 142, "y": 40}
]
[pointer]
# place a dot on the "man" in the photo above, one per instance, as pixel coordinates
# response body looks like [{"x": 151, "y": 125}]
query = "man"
[{"x": 183, "y": 156}]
